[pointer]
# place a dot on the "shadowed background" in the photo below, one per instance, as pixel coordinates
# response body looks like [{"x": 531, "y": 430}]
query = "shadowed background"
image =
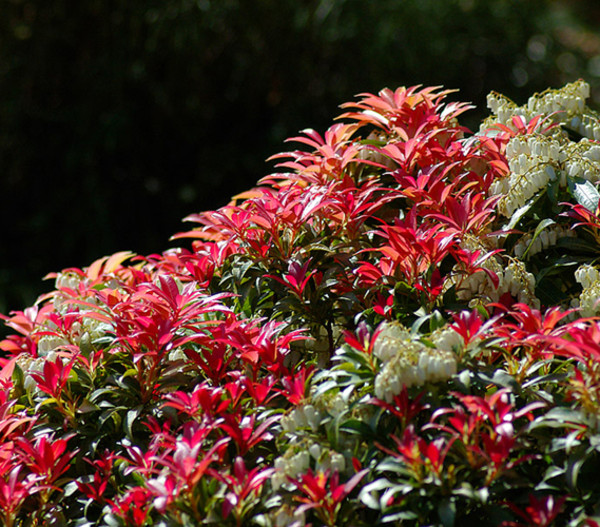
[{"x": 118, "y": 118}]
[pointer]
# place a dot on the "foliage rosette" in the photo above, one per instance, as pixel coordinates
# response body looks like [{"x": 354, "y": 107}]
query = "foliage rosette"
[{"x": 399, "y": 326}]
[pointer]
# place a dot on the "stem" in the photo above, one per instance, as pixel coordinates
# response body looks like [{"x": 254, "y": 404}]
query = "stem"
[{"x": 330, "y": 337}]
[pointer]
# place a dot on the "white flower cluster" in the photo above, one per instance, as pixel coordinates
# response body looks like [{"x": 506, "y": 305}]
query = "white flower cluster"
[
  {"x": 532, "y": 161},
  {"x": 71, "y": 280},
  {"x": 88, "y": 327},
  {"x": 50, "y": 343},
  {"x": 332, "y": 405},
  {"x": 502, "y": 108},
  {"x": 177, "y": 355},
  {"x": 291, "y": 464},
  {"x": 287, "y": 516},
  {"x": 478, "y": 284},
  {"x": 29, "y": 365},
  {"x": 447, "y": 339},
  {"x": 545, "y": 239},
  {"x": 327, "y": 459},
  {"x": 519, "y": 283},
  {"x": 81, "y": 334},
  {"x": 317, "y": 343},
  {"x": 540, "y": 147},
  {"x": 302, "y": 416},
  {"x": 569, "y": 102},
  {"x": 385, "y": 346},
  {"x": 409, "y": 362},
  {"x": 569, "y": 99},
  {"x": 295, "y": 462},
  {"x": 47, "y": 348},
  {"x": 589, "y": 299},
  {"x": 513, "y": 279},
  {"x": 537, "y": 159},
  {"x": 65, "y": 281},
  {"x": 586, "y": 125},
  {"x": 582, "y": 160},
  {"x": 587, "y": 275}
]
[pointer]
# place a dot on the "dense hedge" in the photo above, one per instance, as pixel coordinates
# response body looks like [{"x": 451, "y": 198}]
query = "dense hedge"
[
  {"x": 399, "y": 327},
  {"x": 118, "y": 118}
]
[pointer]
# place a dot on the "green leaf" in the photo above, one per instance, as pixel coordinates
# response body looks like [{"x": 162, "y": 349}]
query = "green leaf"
[
  {"x": 354, "y": 426},
  {"x": 572, "y": 441},
  {"x": 86, "y": 406},
  {"x": 85, "y": 345},
  {"x": 542, "y": 379},
  {"x": 541, "y": 226},
  {"x": 392, "y": 465},
  {"x": 560, "y": 417},
  {"x": 130, "y": 418},
  {"x": 367, "y": 497},
  {"x": 450, "y": 300},
  {"x": 112, "y": 521},
  {"x": 48, "y": 400},
  {"x": 436, "y": 321},
  {"x": 556, "y": 266},
  {"x": 111, "y": 414},
  {"x": 576, "y": 245},
  {"x": 479, "y": 495},
  {"x": 518, "y": 214},
  {"x": 324, "y": 387},
  {"x": 552, "y": 191},
  {"x": 97, "y": 395},
  {"x": 447, "y": 512},
  {"x": 573, "y": 468},
  {"x": 500, "y": 378},
  {"x": 586, "y": 194},
  {"x": 553, "y": 472},
  {"x": 17, "y": 375},
  {"x": 402, "y": 515}
]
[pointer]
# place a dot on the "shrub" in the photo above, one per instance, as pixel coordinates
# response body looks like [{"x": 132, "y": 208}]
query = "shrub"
[{"x": 398, "y": 327}]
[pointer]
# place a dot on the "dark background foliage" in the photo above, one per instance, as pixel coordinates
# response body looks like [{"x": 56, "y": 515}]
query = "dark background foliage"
[{"x": 118, "y": 118}]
